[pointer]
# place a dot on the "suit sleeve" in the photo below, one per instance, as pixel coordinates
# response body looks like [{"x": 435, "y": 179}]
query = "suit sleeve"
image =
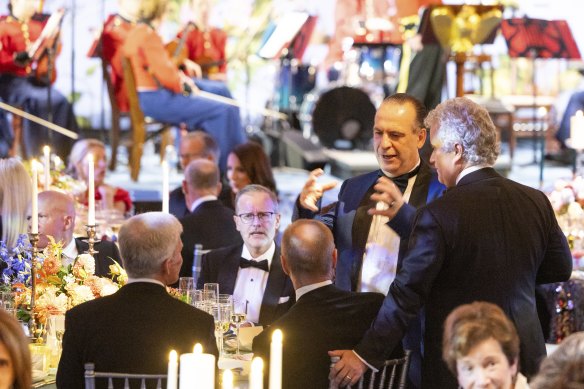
[
  {"x": 408, "y": 291},
  {"x": 402, "y": 222},
  {"x": 71, "y": 370},
  {"x": 205, "y": 275},
  {"x": 557, "y": 262}
]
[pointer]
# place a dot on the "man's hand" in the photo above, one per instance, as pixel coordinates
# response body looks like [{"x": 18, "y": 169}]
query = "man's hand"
[
  {"x": 388, "y": 193},
  {"x": 312, "y": 192},
  {"x": 348, "y": 370},
  {"x": 188, "y": 84}
]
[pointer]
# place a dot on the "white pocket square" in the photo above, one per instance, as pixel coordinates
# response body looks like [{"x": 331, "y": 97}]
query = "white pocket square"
[{"x": 283, "y": 300}]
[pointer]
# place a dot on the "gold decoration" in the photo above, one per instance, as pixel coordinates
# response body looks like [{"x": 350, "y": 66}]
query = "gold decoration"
[{"x": 460, "y": 30}]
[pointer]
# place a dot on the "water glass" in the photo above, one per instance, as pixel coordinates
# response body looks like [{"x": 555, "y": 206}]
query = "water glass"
[
  {"x": 185, "y": 286},
  {"x": 210, "y": 291},
  {"x": 196, "y": 297}
]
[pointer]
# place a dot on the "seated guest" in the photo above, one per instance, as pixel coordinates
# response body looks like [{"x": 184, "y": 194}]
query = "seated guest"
[
  {"x": 323, "y": 317},
  {"x": 210, "y": 223},
  {"x": 481, "y": 347},
  {"x": 15, "y": 362},
  {"x": 161, "y": 85},
  {"x": 193, "y": 145},
  {"x": 564, "y": 368},
  {"x": 249, "y": 164},
  {"x": 107, "y": 197},
  {"x": 57, "y": 219},
  {"x": 13, "y": 203},
  {"x": 133, "y": 330},
  {"x": 251, "y": 271}
]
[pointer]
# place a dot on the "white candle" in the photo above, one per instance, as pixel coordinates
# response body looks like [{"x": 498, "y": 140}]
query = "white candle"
[
  {"x": 172, "y": 377},
  {"x": 165, "y": 187},
  {"x": 47, "y": 162},
  {"x": 197, "y": 370},
  {"x": 90, "y": 191},
  {"x": 577, "y": 131},
  {"x": 35, "y": 198},
  {"x": 227, "y": 380},
  {"x": 256, "y": 375},
  {"x": 276, "y": 360}
]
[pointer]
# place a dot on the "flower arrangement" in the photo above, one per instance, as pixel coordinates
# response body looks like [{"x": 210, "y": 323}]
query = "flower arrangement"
[
  {"x": 567, "y": 197},
  {"x": 58, "y": 288}
]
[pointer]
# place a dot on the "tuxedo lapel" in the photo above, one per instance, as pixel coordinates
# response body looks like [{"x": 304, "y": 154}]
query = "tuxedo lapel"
[
  {"x": 419, "y": 195},
  {"x": 228, "y": 269},
  {"x": 274, "y": 287},
  {"x": 362, "y": 221}
]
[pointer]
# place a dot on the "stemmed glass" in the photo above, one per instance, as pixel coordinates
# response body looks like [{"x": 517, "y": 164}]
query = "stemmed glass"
[
  {"x": 237, "y": 319},
  {"x": 221, "y": 314},
  {"x": 185, "y": 286}
]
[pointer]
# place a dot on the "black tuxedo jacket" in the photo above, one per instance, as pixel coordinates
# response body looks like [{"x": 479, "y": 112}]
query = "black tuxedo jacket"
[
  {"x": 222, "y": 266},
  {"x": 178, "y": 207},
  {"x": 487, "y": 239},
  {"x": 103, "y": 259},
  {"x": 322, "y": 320},
  {"x": 131, "y": 331},
  {"x": 211, "y": 225}
]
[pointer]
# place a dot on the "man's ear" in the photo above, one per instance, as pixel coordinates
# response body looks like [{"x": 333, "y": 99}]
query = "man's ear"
[
  {"x": 69, "y": 222},
  {"x": 284, "y": 265},
  {"x": 185, "y": 187},
  {"x": 458, "y": 150}
]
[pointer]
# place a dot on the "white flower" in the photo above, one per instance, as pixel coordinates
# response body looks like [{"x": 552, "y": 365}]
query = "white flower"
[
  {"x": 86, "y": 262},
  {"x": 51, "y": 302},
  {"x": 79, "y": 293},
  {"x": 69, "y": 279},
  {"x": 575, "y": 210},
  {"x": 108, "y": 289}
]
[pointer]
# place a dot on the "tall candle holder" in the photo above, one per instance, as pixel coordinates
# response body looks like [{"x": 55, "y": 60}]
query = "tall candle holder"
[
  {"x": 91, "y": 241},
  {"x": 34, "y": 240}
]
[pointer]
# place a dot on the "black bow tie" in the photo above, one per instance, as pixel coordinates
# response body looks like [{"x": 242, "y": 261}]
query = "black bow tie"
[
  {"x": 402, "y": 181},
  {"x": 262, "y": 265}
]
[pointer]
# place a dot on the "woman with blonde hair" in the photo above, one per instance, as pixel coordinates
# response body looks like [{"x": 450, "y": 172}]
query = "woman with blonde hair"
[
  {"x": 108, "y": 196},
  {"x": 15, "y": 363},
  {"x": 15, "y": 196}
]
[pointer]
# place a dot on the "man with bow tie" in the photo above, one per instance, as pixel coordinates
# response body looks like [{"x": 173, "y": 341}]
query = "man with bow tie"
[
  {"x": 57, "y": 219},
  {"x": 252, "y": 271},
  {"x": 369, "y": 247}
]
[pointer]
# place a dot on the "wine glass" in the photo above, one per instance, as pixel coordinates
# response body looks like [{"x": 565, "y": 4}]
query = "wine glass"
[
  {"x": 237, "y": 319},
  {"x": 221, "y": 315}
]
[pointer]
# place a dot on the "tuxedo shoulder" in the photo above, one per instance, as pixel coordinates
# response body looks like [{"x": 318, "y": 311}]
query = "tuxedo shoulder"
[{"x": 225, "y": 251}]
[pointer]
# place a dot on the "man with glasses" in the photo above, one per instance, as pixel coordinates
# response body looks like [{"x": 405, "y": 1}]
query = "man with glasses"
[
  {"x": 195, "y": 145},
  {"x": 252, "y": 271},
  {"x": 57, "y": 219}
]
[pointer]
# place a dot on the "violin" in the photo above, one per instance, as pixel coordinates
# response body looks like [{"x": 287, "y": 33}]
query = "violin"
[
  {"x": 46, "y": 48},
  {"x": 177, "y": 48}
]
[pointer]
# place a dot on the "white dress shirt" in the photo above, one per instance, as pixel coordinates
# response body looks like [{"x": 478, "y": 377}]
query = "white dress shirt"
[
  {"x": 468, "y": 170},
  {"x": 201, "y": 200},
  {"x": 309, "y": 288},
  {"x": 250, "y": 285},
  {"x": 69, "y": 253}
]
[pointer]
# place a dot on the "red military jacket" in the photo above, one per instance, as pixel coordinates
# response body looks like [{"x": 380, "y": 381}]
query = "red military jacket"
[
  {"x": 207, "y": 46},
  {"x": 15, "y": 37}
]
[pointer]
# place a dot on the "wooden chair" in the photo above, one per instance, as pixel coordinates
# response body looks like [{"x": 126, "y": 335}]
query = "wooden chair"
[
  {"x": 143, "y": 379},
  {"x": 392, "y": 375},
  {"x": 140, "y": 122},
  {"x": 116, "y": 114}
]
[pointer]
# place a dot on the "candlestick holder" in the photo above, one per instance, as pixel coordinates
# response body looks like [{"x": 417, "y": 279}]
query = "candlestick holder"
[
  {"x": 91, "y": 241},
  {"x": 34, "y": 240}
]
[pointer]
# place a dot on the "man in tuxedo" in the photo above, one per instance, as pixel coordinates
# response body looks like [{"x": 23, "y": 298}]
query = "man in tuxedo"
[
  {"x": 57, "y": 219},
  {"x": 209, "y": 223},
  {"x": 251, "y": 271},
  {"x": 194, "y": 145},
  {"x": 487, "y": 239},
  {"x": 133, "y": 330},
  {"x": 323, "y": 317},
  {"x": 371, "y": 248}
]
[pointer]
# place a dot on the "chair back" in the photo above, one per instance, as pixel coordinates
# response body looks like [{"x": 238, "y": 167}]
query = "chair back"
[
  {"x": 116, "y": 113},
  {"x": 392, "y": 375},
  {"x": 141, "y": 381}
]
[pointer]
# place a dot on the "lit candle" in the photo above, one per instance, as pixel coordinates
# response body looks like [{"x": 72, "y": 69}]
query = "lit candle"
[
  {"x": 35, "y": 198},
  {"x": 172, "y": 371},
  {"x": 47, "y": 162},
  {"x": 165, "y": 186},
  {"x": 256, "y": 375},
  {"x": 276, "y": 360},
  {"x": 227, "y": 380},
  {"x": 197, "y": 370},
  {"x": 90, "y": 191},
  {"x": 577, "y": 131}
]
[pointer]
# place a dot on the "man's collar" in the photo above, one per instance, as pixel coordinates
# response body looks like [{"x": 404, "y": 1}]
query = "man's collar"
[
  {"x": 71, "y": 249},
  {"x": 149, "y": 280},
  {"x": 269, "y": 254},
  {"x": 466, "y": 171},
  {"x": 201, "y": 200},
  {"x": 411, "y": 170},
  {"x": 309, "y": 288}
]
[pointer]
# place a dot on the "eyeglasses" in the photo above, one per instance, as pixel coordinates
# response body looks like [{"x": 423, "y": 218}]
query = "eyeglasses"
[{"x": 263, "y": 217}]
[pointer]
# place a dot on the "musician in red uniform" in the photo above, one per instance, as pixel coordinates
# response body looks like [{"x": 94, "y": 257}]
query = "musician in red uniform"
[
  {"x": 160, "y": 86},
  {"x": 20, "y": 87}
]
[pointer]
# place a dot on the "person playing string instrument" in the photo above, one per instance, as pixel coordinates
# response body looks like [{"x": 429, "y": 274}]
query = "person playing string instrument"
[
  {"x": 26, "y": 88},
  {"x": 161, "y": 86}
]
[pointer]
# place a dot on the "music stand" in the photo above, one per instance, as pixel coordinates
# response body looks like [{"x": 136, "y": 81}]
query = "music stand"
[{"x": 539, "y": 39}]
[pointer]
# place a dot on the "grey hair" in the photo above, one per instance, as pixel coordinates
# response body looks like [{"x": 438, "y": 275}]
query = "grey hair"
[
  {"x": 254, "y": 188},
  {"x": 564, "y": 368},
  {"x": 462, "y": 121},
  {"x": 146, "y": 240},
  {"x": 210, "y": 149},
  {"x": 80, "y": 149}
]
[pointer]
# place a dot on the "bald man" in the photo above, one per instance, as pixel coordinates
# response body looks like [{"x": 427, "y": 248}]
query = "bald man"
[
  {"x": 57, "y": 219},
  {"x": 323, "y": 316}
]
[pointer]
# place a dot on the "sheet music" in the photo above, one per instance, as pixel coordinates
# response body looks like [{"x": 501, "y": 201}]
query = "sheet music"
[{"x": 287, "y": 28}]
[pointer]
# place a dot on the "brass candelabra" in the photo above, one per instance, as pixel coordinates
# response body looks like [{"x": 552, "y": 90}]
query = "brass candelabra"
[
  {"x": 91, "y": 241},
  {"x": 34, "y": 240}
]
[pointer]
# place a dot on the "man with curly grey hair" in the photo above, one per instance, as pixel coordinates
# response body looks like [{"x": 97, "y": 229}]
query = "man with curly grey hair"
[{"x": 487, "y": 238}]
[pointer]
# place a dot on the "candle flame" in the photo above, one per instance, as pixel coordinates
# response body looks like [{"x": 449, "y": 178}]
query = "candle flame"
[
  {"x": 46, "y": 149},
  {"x": 198, "y": 349},
  {"x": 579, "y": 113},
  {"x": 277, "y": 336},
  {"x": 257, "y": 364},
  {"x": 173, "y": 356}
]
